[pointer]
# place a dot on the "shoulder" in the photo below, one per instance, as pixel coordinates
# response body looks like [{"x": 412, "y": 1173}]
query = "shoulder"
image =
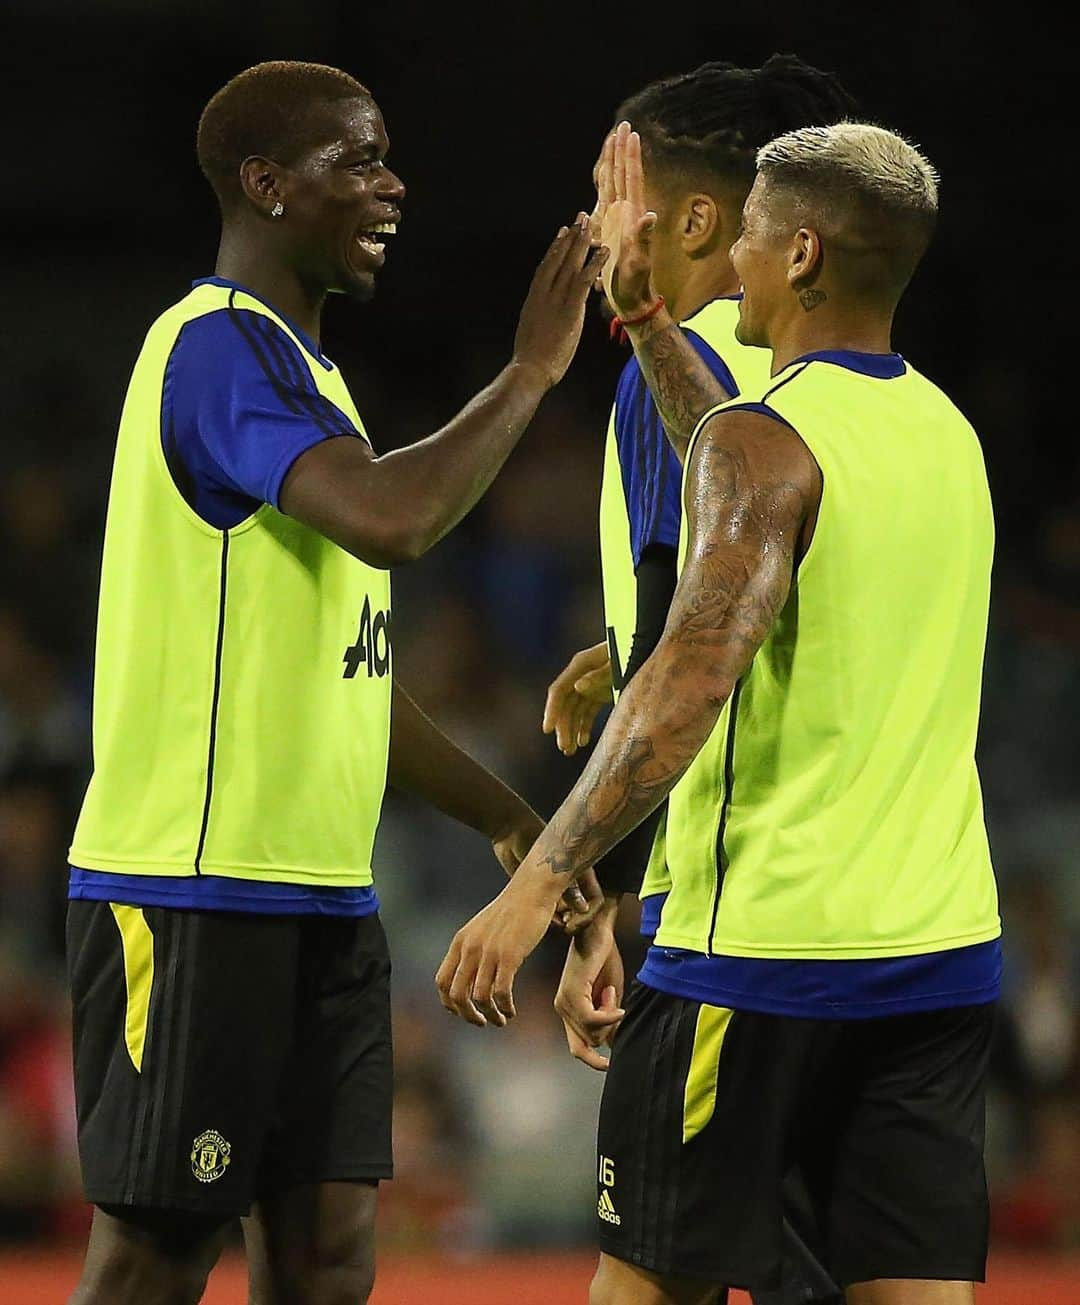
[
  {"x": 239, "y": 343},
  {"x": 755, "y": 453}
]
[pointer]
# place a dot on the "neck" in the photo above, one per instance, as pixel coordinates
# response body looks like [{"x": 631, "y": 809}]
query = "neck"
[
  {"x": 266, "y": 274},
  {"x": 865, "y": 332},
  {"x": 705, "y": 281}
]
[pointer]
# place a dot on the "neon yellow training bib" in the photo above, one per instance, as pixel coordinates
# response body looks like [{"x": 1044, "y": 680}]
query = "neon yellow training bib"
[
  {"x": 243, "y": 676},
  {"x": 835, "y": 810}
]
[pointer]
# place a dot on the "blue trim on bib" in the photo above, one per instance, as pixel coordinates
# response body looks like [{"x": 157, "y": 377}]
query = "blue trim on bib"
[
  {"x": 206, "y": 892},
  {"x": 302, "y": 335},
  {"x": 882, "y": 366},
  {"x": 651, "y": 907},
  {"x": 845, "y": 990}
]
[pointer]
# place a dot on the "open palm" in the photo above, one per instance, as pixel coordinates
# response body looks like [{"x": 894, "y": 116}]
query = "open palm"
[{"x": 625, "y": 224}]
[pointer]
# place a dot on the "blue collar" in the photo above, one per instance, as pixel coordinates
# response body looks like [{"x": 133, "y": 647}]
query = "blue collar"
[
  {"x": 305, "y": 339},
  {"x": 882, "y": 366}
]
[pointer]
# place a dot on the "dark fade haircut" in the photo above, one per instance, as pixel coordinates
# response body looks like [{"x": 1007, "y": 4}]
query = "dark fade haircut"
[
  {"x": 708, "y": 125},
  {"x": 265, "y": 110}
]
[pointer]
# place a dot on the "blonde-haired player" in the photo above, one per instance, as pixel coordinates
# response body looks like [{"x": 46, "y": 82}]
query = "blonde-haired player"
[{"x": 822, "y": 983}]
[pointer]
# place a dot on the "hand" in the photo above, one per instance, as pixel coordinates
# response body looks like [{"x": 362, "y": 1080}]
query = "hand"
[
  {"x": 551, "y": 319},
  {"x": 581, "y": 901},
  {"x": 511, "y": 844},
  {"x": 591, "y": 988},
  {"x": 476, "y": 978},
  {"x": 625, "y": 225},
  {"x": 575, "y": 697}
]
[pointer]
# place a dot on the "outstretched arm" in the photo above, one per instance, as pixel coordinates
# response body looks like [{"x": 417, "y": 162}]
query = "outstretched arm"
[
  {"x": 427, "y": 764},
  {"x": 681, "y": 383},
  {"x": 753, "y": 491},
  {"x": 391, "y": 509}
]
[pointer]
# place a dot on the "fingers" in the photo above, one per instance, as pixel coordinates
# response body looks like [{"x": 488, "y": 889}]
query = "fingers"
[
  {"x": 454, "y": 981},
  {"x": 483, "y": 996},
  {"x": 552, "y": 261},
  {"x": 592, "y": 269},
  {"x": 577, "y": 273},
  {"x": 499, "y": 991},
  {"x": 581, "y": 1050},
  {"x": 574, "y": 250},
  {"x": 622, "y": 135},
  {"x": 605, "y": 174},
  {"x": 633, "y": 172}
]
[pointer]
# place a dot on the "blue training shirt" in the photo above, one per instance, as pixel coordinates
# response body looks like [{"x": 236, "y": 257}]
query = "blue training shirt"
[{"x": 651, "y": 473}]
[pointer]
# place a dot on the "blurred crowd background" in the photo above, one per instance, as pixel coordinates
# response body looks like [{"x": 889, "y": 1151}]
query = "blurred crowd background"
[{"x": 494, "y": 124}]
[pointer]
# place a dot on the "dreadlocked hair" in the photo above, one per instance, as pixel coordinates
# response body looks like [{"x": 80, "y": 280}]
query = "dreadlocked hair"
[
  {"x": 712, "y": 121},
  {"x": 265, "y": 110}
]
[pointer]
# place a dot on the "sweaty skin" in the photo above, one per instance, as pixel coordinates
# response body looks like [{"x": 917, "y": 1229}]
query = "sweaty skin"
[{"x": 752, "y": 500}]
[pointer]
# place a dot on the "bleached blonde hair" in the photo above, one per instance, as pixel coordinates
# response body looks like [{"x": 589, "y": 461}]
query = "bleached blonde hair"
[{"x": 879, "y": 165}]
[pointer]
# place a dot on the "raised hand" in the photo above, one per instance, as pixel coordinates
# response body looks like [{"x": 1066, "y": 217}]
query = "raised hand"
[
  {"x": 625, "y": 224},
  {"x": 549, "y": 327},
  {"x": 576, "y": 696}
]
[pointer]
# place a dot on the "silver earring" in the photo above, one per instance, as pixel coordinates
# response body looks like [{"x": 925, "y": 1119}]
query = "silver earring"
[{"x": 278, "y": 209}]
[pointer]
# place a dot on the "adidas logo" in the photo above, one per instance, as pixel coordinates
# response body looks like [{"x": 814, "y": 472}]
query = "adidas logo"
[{"x": 605, "y": 1208}]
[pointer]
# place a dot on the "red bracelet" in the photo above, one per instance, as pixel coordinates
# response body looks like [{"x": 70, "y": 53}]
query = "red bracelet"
[{"x": 618, "y": 324}]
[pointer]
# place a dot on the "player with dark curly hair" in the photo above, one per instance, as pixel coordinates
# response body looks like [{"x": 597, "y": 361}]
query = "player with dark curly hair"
[{"x": 700, "y": 132}]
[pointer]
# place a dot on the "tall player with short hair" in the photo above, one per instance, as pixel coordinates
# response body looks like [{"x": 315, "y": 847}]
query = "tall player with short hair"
[
  {"x": 229, "y": 972},
  {"x": 822, "y": 983}
]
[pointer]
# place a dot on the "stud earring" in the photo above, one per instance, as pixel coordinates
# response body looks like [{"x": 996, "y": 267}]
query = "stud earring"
[{"x": 278, "y": 209}]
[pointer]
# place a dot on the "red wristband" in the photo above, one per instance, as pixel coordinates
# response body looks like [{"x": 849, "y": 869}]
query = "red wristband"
[{"x": 618, "y": 324}]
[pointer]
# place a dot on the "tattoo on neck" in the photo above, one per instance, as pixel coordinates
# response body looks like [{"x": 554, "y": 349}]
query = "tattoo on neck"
[{"x": 811, "y": 299}]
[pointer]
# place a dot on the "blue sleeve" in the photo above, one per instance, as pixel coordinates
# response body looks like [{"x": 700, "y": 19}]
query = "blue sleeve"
[
  {"x": 239, "y": 405},
  {"x": 652, "y": 474}
]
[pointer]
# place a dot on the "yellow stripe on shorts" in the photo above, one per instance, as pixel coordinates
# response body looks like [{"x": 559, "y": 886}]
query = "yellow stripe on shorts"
[
  {"x": 138, "y": 945},
  {"x": 699, "y": 1101}
]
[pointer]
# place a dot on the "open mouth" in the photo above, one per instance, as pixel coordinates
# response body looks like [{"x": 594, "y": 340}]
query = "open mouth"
[{"x": 373, "y": 241}]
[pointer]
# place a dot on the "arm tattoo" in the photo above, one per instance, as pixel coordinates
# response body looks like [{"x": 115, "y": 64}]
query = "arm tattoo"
[
  {"x": 679, "y": 380},
  {"x": 748, "y": 498}
]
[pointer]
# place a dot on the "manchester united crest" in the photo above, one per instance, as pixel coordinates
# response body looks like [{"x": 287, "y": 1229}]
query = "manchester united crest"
[{"x": 209, "y": 1156}]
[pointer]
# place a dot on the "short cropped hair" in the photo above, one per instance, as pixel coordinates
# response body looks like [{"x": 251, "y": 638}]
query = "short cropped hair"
[
  {"x": 877, "y": 191},
  {"x": 711, "y": 122},
  {"x": 876, "y": 163},
  {"x": 265, "y": 110}
]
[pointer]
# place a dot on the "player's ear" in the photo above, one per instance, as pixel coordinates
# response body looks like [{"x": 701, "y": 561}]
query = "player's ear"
[
  {"x": 261, "y": 182},
  {"x": 804, "y": 257},
  {"x": 700, "y": 225}
]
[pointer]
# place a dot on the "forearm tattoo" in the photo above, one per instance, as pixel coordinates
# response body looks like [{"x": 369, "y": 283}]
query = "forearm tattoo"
[
  {"x": 746, "y": 507},
  {"x": 679, "y": 380}
]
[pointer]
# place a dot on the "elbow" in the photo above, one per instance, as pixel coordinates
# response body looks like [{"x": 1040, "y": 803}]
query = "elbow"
[{"x": 396, "y": 545}]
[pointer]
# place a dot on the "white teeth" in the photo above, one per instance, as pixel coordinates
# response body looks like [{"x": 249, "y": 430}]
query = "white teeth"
[{"x": 389, "y": 227}]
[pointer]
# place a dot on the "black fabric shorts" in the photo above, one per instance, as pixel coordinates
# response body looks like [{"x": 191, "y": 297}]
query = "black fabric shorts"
[
  {"x": 221, "y": 1056},
  {"x": 706, "y": 1110}
]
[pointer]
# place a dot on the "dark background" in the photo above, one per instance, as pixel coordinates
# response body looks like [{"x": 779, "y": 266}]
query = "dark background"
[{"x": 495, "y": 117}]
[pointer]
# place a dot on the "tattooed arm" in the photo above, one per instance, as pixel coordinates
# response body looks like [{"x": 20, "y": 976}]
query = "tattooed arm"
[
  {"x": 752, "y": 488},
  {"x": 680, "y": 381},
  {"x": 752, "y": 495}
]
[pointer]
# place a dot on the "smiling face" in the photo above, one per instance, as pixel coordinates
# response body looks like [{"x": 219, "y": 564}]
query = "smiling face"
[
  {"x": 341, "y": 201},
  {"x": 761, "y": 257}
]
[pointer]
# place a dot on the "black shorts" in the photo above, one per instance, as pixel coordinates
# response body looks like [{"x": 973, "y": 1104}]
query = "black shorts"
[
  {"x": 706, "y": 1110},
  {"x": 220, "y": 1056}
]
